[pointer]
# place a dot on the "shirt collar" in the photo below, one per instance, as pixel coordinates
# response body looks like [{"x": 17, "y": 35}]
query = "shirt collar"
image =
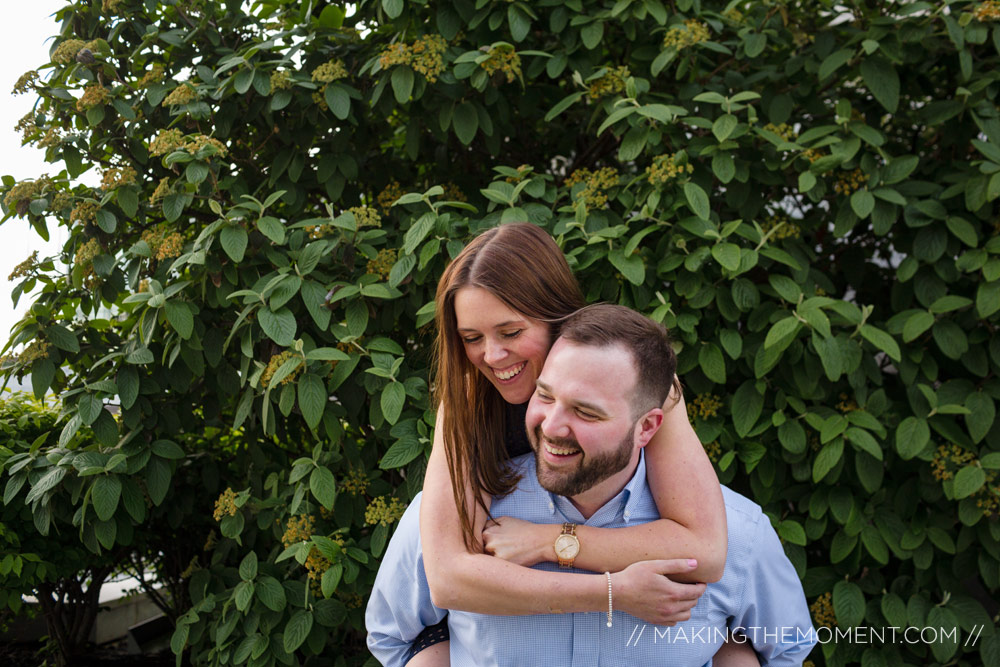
[{"x": 618, "y": 508}]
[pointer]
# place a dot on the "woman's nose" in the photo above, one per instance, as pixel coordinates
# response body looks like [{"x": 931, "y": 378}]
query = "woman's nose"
[{"x": 495, "y": 353}]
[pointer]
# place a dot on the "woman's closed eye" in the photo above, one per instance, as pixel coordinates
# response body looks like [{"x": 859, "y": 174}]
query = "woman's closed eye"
[{"x": 512, "y": 334}]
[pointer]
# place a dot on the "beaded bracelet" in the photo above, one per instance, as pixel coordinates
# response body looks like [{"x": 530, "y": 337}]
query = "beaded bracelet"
[{"x": 608, "y": 575}]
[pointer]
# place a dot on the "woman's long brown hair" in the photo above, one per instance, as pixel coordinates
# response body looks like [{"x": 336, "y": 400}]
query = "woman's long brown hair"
[{"x": 520, "y": 264}]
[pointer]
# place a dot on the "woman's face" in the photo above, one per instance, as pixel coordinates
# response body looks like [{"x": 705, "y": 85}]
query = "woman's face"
[{"x": 507, "y": 347}]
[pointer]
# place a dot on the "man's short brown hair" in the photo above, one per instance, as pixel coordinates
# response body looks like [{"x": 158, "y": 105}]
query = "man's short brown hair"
[{"x": 603, "y": 325}]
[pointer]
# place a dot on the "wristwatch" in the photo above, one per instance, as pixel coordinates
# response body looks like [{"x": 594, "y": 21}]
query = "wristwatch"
[{"x": 567, "y": 545}]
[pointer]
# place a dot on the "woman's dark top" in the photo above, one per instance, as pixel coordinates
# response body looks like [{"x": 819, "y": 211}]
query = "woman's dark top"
[{"x": 516, "y": 439}]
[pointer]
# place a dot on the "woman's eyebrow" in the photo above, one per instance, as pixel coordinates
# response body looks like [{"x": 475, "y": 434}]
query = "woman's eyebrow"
[{"x": 497, "y": 326}]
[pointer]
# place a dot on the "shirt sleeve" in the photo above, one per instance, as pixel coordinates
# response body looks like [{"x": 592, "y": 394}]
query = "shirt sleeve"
[
  {"x": 774, "y": 615},
  {"x": 400, "y": 605}
]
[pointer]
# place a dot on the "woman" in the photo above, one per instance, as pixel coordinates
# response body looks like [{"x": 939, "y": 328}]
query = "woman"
[{"x": 498, "y": 305}]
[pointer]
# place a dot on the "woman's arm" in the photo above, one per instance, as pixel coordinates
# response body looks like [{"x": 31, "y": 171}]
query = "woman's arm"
[
  {"x": 479, "y": 583},
  {"x": 687, "y": 494}
]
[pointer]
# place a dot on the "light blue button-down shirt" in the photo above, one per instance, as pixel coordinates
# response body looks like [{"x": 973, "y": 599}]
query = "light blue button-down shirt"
[{"x": 759, "y": 593}]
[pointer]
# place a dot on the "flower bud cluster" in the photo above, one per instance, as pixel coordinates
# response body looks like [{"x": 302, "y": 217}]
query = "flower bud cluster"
[
  {"x": 298, "y": 529},
  {"x": 987, "y": 11},
  {"x": 25, "y": 83},
  {"x": 277, "y": 361},
  {"x": 182, "y": 94},
  {"x": 611, "y": 82},
  {"x": 225, "y": 505},
  {"x": 383, "y": 263},
  {"x": 597, "y": 183},
  {"x": 423, "y": 55},
  {"x": 812, "y": 154},
  {"x": 850, "y": 182},
  {"x": 154, "y": 75},
  {"x": 949, "y": 459},
  {"x": 713, "y": 450},
  {"x": 27, "y": 127},
  {"x": 388, "y": 196},
  {"x": 50, "y": 139},
  {"x": 666, "y": 168},
  {"x": 330, "y": 71},
  {"x": 822, "y": 611},
  {"x": 94, "y": 95},
  {"x": 381, "y": 512},
  {"x": 192, "y": 567},
  {"x": 504, "y": 59},
  {"x": 355, "y": 482},
  {"x": 783, "y": 227},
  {"x": 38, "y": 349},
  {"x": 704, "y": 406},
  {"x": 116, "y": 177},
  {"x": 847, "y": 404},
  {"x": 25, "y": 191},
  {"x": 163, "y": 243},
  {"x": 66, "y": 52},
  {"x": 24, "y": 268},
  {"x": 161, "y": 191},
  {"x": 200, "y": 141},
  {"x": 166, "y": 142},
  {"x": 281, "y": 81},
  {"x": 86, "y": 253},
  {"x": 681, "y": 37},
  {"x": 733, "y": 15},
  {"x": 366, "y": 216},
  {"x": 454, "y": 193},
  {"x": 172, "y": 140},
  {"x": 783, "y": 130},
  {"x": 84, "y": 213}
]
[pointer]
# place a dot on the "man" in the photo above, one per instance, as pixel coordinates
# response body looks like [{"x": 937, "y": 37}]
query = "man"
[{"x": 598, "y": 402}]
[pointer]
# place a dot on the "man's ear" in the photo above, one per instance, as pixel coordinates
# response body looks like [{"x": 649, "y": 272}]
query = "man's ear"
[{"x": 647, "y": 426}]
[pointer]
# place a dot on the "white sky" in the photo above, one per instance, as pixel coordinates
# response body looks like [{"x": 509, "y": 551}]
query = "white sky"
[{"x": 25, "y": 46}]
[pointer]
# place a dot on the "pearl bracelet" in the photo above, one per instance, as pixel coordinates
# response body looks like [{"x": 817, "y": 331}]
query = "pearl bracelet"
[{"x": 608, "y": 575}]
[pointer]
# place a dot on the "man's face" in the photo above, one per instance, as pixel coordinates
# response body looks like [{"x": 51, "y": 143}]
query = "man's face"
[{"x": 580, "y": 419}]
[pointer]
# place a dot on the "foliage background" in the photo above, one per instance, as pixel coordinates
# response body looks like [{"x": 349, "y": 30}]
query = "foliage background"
[{"x": 804, "y": 192}]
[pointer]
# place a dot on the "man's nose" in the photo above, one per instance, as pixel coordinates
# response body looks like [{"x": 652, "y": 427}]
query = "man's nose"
[{"x": 555, "y": 424}]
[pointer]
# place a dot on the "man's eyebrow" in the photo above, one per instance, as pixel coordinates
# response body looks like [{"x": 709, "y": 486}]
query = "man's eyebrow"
[
  {"x": 579, "y": 404},
  {"x": 497, "y": 326}
]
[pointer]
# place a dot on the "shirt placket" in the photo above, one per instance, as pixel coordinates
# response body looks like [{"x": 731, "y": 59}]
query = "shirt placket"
[{"x": 586, "y": 641}]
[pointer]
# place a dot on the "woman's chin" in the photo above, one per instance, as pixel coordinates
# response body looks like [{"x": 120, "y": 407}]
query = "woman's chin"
[{"x": 515, "y": 394}]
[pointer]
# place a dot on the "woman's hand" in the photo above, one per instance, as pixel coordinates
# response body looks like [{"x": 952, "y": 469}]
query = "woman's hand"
[
  {"x": 645, "y": 590},
  {"x": 520, "y": 542}
]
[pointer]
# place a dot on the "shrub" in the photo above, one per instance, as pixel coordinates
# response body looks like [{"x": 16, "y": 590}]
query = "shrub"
[{"x": 804, "y": 192}]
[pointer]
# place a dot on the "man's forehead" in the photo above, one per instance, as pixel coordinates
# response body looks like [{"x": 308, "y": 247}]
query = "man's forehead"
[{"x": 594, "y": 368}]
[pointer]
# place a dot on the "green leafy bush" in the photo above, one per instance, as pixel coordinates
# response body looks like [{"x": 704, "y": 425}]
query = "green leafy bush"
[{"x": 804, "y": 193}]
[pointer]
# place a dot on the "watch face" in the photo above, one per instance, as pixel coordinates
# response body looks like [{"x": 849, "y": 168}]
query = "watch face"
[{"x": 567, "y": 546}]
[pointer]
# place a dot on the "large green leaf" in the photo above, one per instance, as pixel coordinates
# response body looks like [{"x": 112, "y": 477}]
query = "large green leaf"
[
  {"x": 882, "y": 80},
  {"x": 746, "y": 407},
  {"x": 105, "y": 493},
  {"x": 297, "y": 629},
  {"x": 279, "y": 325}
]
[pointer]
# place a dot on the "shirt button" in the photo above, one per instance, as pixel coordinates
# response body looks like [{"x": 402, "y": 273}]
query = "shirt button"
[
  {"x": 627, "y": 514},
  {"x": 552, "y": 506}
]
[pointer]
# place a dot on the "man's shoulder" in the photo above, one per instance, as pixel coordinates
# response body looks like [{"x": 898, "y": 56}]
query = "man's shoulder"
[
  {"x": 747, "y": 525},
  {"x": 740, "y": 506}
]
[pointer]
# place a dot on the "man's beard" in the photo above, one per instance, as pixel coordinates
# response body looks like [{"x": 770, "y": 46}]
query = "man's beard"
[{"x": 588, "y": 473}]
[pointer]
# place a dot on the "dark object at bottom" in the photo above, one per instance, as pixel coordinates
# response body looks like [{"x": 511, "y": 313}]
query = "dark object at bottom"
[{"x": 435, "y": 634}]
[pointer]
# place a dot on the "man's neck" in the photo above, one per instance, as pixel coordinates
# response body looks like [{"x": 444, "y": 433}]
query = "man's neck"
[{"x": 599, "y": 495}]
